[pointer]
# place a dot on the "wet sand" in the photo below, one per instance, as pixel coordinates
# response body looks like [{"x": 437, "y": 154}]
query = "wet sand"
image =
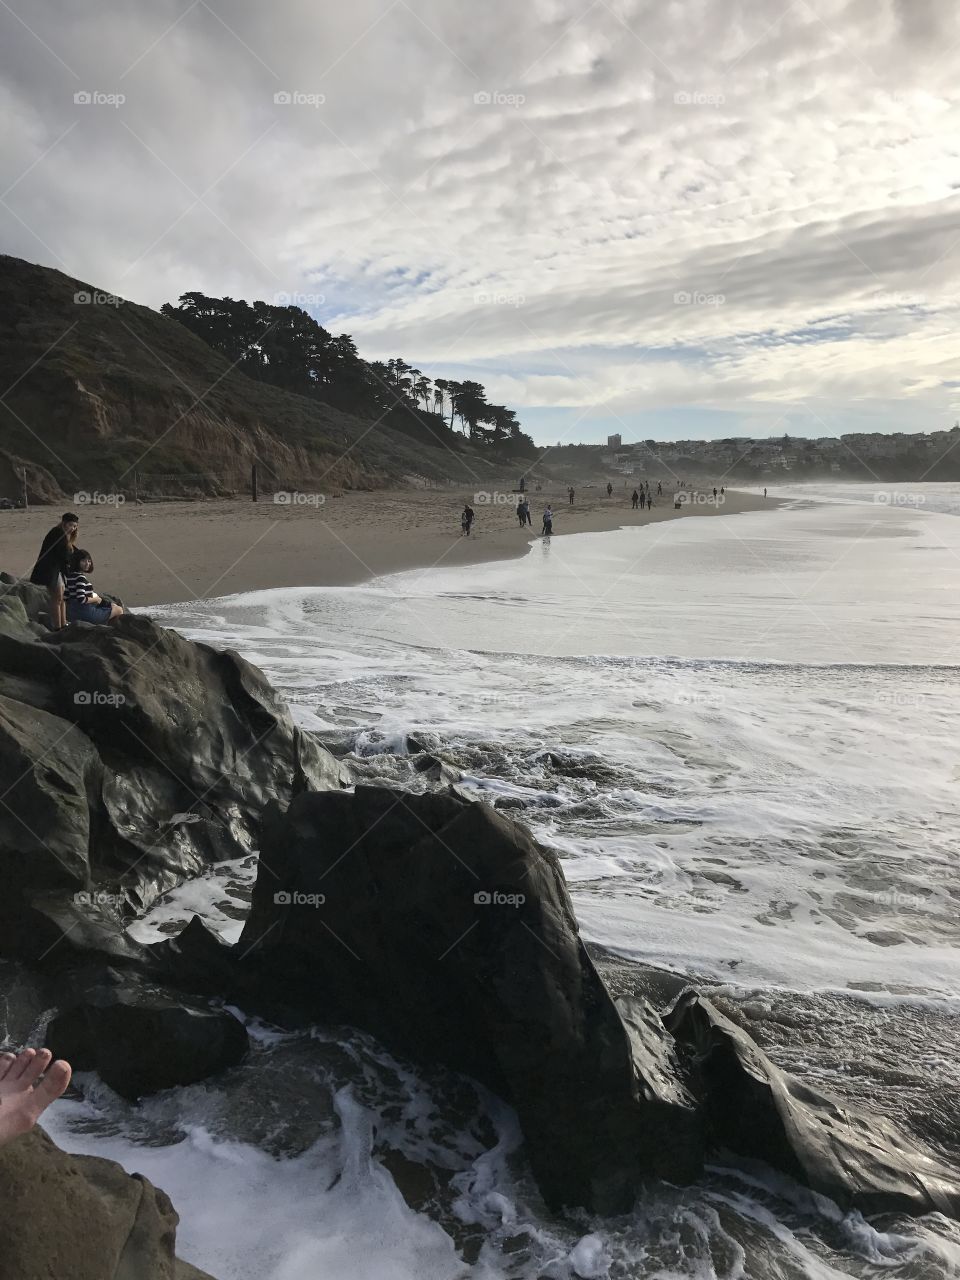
[{"x": 159, "y": 553}]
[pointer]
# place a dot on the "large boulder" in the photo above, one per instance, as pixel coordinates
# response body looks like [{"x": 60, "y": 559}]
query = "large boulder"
[
  {"x": 752, "y": 1108},
  {"x": 82, "y": 1217},
  {"x": 141, "y": 1039},
  {"x": 448, "y": 932},
  {"x": 130, "y": 760}
]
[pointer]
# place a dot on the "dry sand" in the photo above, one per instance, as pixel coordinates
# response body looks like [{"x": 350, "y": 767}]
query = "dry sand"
[{"x": 164, "y": 552}]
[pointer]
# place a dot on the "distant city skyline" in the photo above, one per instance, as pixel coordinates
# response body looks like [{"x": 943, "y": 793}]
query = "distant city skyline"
[{"x": 619, "y": 219}]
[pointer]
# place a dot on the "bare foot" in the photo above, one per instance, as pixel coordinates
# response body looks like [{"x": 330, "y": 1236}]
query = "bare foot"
[{"x": 22, "y": 1099}]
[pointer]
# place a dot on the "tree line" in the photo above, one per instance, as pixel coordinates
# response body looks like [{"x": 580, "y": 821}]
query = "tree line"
[{"x": 286, "y": 347}]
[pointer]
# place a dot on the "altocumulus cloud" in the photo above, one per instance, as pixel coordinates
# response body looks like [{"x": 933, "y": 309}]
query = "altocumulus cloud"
[{"x": 607, "y": 211}]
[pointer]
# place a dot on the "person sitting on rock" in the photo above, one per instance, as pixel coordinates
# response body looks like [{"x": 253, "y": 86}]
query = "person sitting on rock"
[
  {"x": 83, "y": 603},
  {"x": 23, "y": 1096}
]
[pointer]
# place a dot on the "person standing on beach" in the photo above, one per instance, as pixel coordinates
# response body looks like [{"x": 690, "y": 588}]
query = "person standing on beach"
[
  {"x": 570, "y": 493},
  {"x": 521, "y": 513},
  {"x": 714, "y": 493},
  {"x": 659, "y": 489},
  {"x": 643, "y": 499},
  {"x": 547, "y": 521},
  {"x": 609, "y": 488},
  {"x": 467, "y": 519},
  {"x": 764, "y": 493},
  {"x": 635, "y": 499},
  {"x": 53, "y": 564}
]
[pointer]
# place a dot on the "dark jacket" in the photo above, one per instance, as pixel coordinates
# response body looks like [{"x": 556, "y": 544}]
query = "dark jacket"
[{"x": 54, "y": 557}]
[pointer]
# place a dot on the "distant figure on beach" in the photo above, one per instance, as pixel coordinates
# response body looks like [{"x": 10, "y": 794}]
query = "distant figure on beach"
[
  {"x": 649, "y": 501},
  {"x": 722, "y": 491},
  {"x": 609, "y": 488},
  {"x": 764, "y": 493},
  {"x": 523, "y": 484},
  {"x": 659, "y": 488},
  {"x": 83, "y": 603},
  {"x": 635, "y": 499},
  {"x": 521, "y": 513},
  {"x": 570, "y": 494},
  {"x": 643, "y": 499},
  {"x": 466, "y": 520},
  {"x": 53, "y": 562},
  {"x": 714, "y": 493},
  {"x": 547, "y": 521}
]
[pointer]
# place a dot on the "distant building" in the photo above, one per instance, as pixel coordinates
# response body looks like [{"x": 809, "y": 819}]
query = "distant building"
[{"x": 614, "y": 442}]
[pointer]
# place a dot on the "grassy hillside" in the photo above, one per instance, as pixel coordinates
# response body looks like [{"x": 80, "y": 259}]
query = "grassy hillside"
[{"x": 94, "y": 394}]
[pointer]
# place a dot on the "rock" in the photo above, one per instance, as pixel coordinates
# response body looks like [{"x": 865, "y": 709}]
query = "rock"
[
  {"x": 754, "y": 1109},
  {"x": 141, "y": 1040},
  {"x": 82, "y": 1217},
  {"x": 448, "y": 932},
  {"x": 50, "y": 774},
  {"x": 131, "y": 759}
]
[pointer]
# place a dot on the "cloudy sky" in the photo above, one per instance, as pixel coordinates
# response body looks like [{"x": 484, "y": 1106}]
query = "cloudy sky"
[{"x": 666, "y": 218}]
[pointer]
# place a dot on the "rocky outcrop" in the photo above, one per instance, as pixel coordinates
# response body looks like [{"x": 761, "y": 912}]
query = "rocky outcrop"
[
  {"x": 82, "y": 1217},
  {"x": 131, "y": 760},
  {"x": 444, "y": 929},
  {"x": 448, "y": 932},
  {"x": 143, "y": 1039},
  {"x": 752, "y": 1108}
]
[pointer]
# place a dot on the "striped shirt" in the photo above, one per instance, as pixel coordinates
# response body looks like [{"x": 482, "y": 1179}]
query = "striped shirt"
[{"x": 78, "y": 588}]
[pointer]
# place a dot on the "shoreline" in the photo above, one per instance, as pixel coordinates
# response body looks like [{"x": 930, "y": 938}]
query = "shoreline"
[{"x": 182, "y": 551}]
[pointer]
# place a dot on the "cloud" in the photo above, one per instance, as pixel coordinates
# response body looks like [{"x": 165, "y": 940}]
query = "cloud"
[{"x": 523, "y": 194}]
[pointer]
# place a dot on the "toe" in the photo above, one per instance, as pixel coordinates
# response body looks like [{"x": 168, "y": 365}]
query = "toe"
[{"x": 24, "y": 1059}]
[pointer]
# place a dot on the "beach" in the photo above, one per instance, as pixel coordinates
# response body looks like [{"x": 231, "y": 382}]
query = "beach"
[{"x": 159, "y": 553}]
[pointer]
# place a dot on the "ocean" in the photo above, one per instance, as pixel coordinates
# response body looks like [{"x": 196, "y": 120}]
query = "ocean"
[{"x": 741, "y": 736}]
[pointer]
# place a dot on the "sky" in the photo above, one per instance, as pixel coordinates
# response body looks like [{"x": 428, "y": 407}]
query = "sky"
[{"x": 663, "y": 218}]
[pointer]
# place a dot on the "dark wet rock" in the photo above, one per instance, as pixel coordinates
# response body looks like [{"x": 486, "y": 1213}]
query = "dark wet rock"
[
  {"x": 448, "y": 932},
  {"x": 141, "y": 1040},
  {"x": 130, "y": 759},
  {"x": 82, "y": 1217},
  {"x": 435, "y": 770},
  {"x": 752, "y": 1108}
]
